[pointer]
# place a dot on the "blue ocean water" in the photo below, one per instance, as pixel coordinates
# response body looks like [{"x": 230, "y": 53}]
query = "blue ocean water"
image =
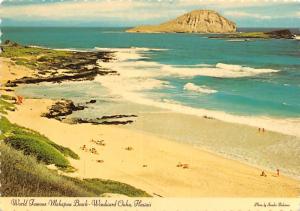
[{"x": 271, "y": 93}]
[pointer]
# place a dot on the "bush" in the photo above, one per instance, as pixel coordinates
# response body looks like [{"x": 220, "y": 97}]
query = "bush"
[
  {"x": 37, "y": 147},
  {"x": 5, "y": 106},
  {"x": 108, "y": 186}
]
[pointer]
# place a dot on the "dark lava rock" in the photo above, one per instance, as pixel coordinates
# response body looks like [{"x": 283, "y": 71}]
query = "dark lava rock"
[
  {"x": 10, "y": 83},
  {"x": 61, "y": 109},
  {"x": 80, "y": 76},
  {"x": 116, "y": 117},
  {"x": 281, "y": 34},
  {"x": 85, "y": 75},
  {"x": 74, "y": 66},
  {"x": 96, "y": 121},
  {"x": 11, "y": 43},
  {"x": 91, "y": 101}
]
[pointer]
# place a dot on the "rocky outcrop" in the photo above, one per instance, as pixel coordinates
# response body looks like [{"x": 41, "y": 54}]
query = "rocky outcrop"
[
  {"x": 281, "y": 34},
  {"x": 55, "y": 65},
  {"x": 120, "y": 116},
  {"x": 84, "y": 75},
  {"x": 119, "y": 119},
  {"x": 91, "y": 101},
  {"x": 96, "y": 121},
  {"x": 11, "y": 43},
  {"x": 197, "y": 21},
  {"x": 62, "y": 109}
]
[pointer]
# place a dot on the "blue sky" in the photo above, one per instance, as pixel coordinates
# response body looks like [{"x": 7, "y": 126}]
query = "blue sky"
[{"x": 246, "y": 13}]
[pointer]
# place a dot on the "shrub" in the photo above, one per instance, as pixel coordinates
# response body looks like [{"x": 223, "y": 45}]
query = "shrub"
[
  {"x": 35, "y": 144},
  {"x": 37, "y": 147}
]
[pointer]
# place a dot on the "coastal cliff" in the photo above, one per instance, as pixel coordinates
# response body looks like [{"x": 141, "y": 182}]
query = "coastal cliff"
[{"x": 197, "y": 21}]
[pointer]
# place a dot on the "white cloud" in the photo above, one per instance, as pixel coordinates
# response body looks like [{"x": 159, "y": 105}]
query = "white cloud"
[
  {"x": 226, "y": 3},
  {"x": 131, "y": 10},
  {"x": 115, "y": 9},
  {"x": 247, "y": 15}
]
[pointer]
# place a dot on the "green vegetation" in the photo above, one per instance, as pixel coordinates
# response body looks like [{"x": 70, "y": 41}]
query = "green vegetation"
[
  {"x": 100, "y": 186},
  {"x": 37, "y": 147},
  {"x": 64, "y": 150},
  {"x": 33, "y": 143},
  {"x": 25, "y": 62},
  {"x": 23, "y": 175},
  {"x": 5, "y": 106},
  {"x": 278, "y": 34},
  {"x": 32, "y": 57},
  {"x": 12, "y": 51},
  {"x": 48, "y": 65},
  {"x": 7, "y": 97},
  {"x": 251, "y": 35}
]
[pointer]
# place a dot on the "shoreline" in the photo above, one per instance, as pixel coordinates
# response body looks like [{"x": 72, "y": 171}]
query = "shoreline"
[
  {"x": 193, "y": 130},
  {"x": 288, "y": 125},
  {"x": 208, "y": 174},
  {"x": 161, "y": 157}
]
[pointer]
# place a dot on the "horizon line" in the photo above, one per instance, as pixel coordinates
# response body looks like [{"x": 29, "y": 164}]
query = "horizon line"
[{"x": 76, "y": 26}]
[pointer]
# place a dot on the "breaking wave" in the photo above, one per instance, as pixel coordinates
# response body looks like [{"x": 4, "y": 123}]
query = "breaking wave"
[
  {"x": 137, "y": 75},
  {"x": 199, "y": 89}
]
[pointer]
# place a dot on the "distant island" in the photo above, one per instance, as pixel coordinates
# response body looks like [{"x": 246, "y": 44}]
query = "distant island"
[
  {"x": 197, "y": 21},
  {"x": 210, "y": 22},
  {"x": 278, "y": 34}
]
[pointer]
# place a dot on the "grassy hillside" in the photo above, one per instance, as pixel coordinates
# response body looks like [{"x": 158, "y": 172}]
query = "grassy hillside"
[
  {"x": 5, "y": 105},
  {"x": 32, "y": 57},
  {"x": 35, "y": 144}
]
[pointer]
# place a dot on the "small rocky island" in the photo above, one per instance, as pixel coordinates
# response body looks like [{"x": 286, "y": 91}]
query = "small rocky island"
[
  {"x": 197, "y": 21},
  {"x": 278, "y": 34}
]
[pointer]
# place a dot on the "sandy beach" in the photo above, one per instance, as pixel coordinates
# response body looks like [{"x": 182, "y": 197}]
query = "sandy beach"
[
  {"x": 10, "y": 72},
  {"x": 150, "y": 162}
]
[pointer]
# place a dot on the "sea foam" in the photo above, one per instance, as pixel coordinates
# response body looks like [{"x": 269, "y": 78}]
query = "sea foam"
[
  {"x": 199, "y": 89},
  {"x": 136, "y": 76}
]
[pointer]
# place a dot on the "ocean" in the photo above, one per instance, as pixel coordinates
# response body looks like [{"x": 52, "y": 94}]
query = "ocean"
[
  {"x": 253, "y": 78},
  {"x": 254, "y": 83}
]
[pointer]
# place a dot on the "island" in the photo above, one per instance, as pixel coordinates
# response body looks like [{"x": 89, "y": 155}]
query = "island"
[
  {"x": 197, "y": 21},
  {"x": 209, "y": 22},
  {"x": 278, "y": 34}
]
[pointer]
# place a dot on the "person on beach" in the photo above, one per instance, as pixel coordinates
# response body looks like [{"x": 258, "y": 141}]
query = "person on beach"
[
  {"x": 277, "y": 172},
  {"x": 83, "y": 147},
  {"x": 19, "y": 100},
  {"x": 263, "y": 174}
]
